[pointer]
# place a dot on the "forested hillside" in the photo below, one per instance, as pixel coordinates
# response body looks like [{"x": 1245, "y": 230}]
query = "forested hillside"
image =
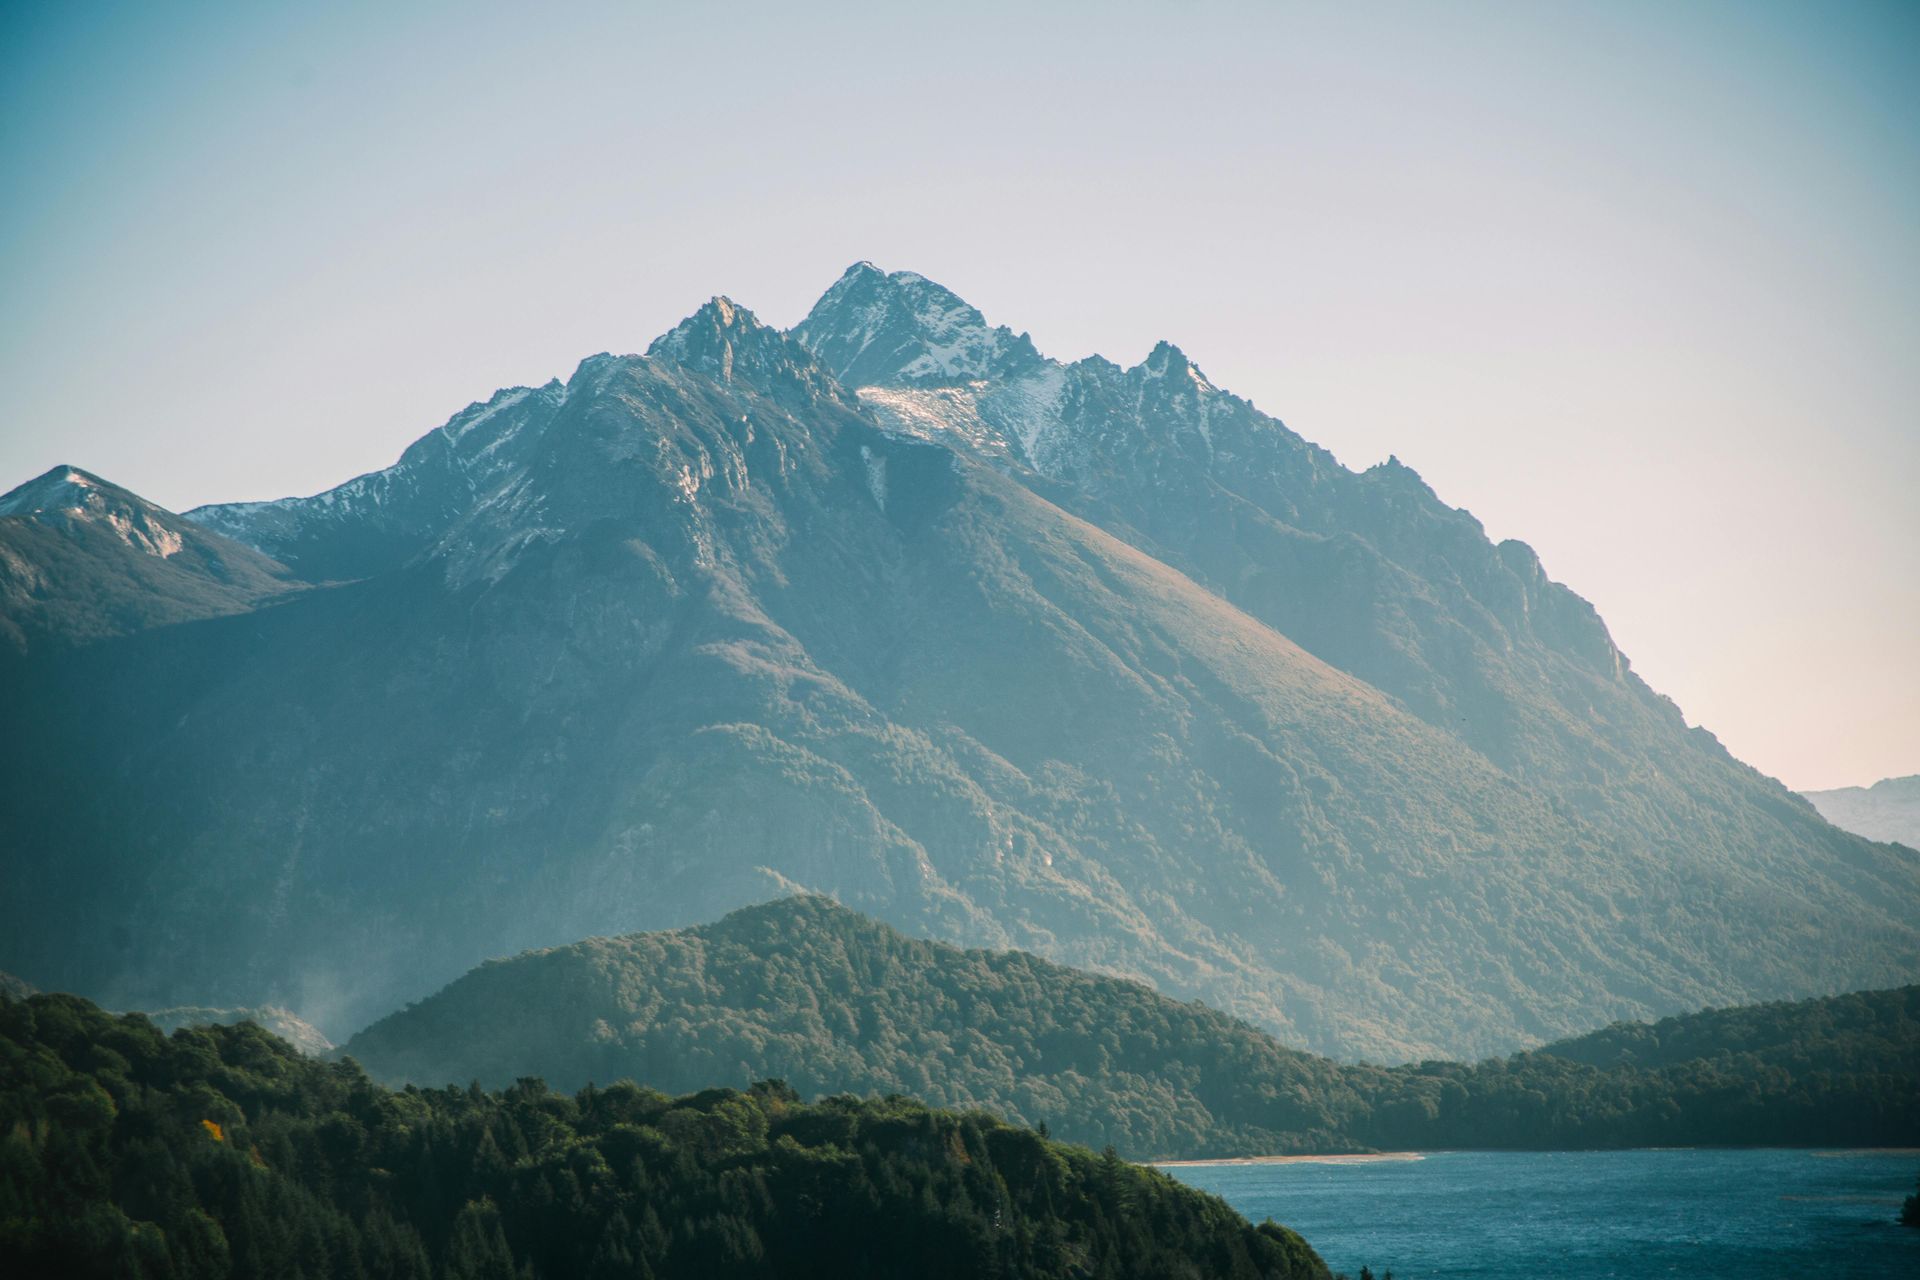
[
  {"x": 221, "y": 1152},
  {"x": 1868, "y": 1030},
  {"x": 821, "y": 996}
]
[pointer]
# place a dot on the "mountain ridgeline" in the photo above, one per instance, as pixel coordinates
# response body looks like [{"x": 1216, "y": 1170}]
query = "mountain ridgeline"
[
  {"x": 219, "y": 1151},
  {"x": 1098, "y": 662},
  {"x": 832, "y": 1002},
  {"x": 1887, "y": 810}
]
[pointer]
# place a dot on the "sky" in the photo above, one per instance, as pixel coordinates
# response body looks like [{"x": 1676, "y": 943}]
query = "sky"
[{"x": 1636, "y": 283}]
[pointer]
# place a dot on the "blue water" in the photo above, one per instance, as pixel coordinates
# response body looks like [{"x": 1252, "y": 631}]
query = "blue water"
[{"x": 1583, "y": 1215}]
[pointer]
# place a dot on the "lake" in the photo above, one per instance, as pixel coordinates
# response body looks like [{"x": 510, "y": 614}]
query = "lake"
[{"x": 1583, "y": 1215}]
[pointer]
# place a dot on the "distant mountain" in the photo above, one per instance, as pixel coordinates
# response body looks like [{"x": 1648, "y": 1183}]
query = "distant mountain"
[
  {"x": 1098, "y": 662},
  {"x": 830, "y": 1001},
  {"x": 1887, "y": 810},
  {"x": 83, "y": 560}
]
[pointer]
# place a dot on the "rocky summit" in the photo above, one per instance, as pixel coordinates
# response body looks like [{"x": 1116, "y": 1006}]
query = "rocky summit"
[{"x": 1096, "y": 661}]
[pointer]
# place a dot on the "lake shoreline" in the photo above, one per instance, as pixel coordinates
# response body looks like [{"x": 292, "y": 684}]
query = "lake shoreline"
[
  {"x": 1368, "y": 1157},
  {"x": 1380, "y": 1157},
  {"x": 1590, "y": 1215}
]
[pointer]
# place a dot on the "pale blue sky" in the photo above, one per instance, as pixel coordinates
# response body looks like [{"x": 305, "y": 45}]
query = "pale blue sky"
[{"x": 1636, "y": 283}]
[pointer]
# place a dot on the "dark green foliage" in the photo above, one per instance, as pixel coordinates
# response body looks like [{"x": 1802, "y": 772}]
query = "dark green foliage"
[
  {"x": 831, "y": 1001},
  {"x": 222, "y": 1152}
]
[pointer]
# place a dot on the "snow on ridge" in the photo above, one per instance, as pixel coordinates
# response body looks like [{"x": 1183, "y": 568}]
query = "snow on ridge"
[
  {"x": 1030, "y": 409},
  {"x": 936, "y": 414},
  {"x": 462, "y": 423},
  {"x": 931, "y": 332},
  {"x": 67, "y": 496},
  {"x": 1019, "y": 419},
  {"x": 876, "y": 475},
  {"x": 56, "y": 490},
  {"x": 268, "y": 524}
]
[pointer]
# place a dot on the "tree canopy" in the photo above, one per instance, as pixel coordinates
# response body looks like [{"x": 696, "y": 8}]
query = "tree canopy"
[
  {"x": 832, "y": 1001},
  {"x": 220, "y": 1151}
]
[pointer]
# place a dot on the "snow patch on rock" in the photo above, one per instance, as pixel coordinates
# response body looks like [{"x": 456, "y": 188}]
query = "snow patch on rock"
[{"x": 876, "y": 465}]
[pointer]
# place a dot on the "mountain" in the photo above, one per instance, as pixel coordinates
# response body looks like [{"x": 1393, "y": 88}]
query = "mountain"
[
  {"x": 222, "y": 1152},
  {"x": 82, "y": 560},
  {"x": 1097, "y": 662},
  {"x": 378, "y": 521},
  {"x": 831, "y": 1002},
  {"x": 1887, "y": 810},
  {"x": 1368, "y": 571}
]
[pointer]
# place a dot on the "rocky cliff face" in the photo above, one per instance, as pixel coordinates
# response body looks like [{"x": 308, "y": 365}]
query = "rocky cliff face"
[{"x": 1094, "y": 661}]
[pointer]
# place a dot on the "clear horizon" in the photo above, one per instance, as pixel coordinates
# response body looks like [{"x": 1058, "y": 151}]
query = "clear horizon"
[{"x": 1639, "y": 289}]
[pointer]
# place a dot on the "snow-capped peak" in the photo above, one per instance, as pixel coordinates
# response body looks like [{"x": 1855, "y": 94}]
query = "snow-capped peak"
[
  {"x": 1169, "y": 361},
  {"x": 726, "y": 341},
  {"x": 67, "y": 496},
  {"x": 876, "y": 328},
  {"x": 63, "y": 488}
]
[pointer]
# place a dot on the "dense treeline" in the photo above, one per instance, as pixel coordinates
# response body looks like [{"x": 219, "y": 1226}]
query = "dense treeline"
[
  {"x": 832, "y": 1001},
  {"x": 220, "y": 1151}
]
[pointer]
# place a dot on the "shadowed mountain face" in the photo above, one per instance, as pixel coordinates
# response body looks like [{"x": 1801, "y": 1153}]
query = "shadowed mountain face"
[{"x": 1097, "y": 662}]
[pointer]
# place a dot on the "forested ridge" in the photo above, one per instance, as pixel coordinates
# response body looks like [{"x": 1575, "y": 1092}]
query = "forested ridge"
[
  {"x": 821, "y": 996},
  {"x": 220, "y": 1151}
]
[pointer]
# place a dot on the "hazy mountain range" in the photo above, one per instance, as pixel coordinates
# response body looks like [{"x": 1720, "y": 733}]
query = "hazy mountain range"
[
  {"x": 1887, "y": 810},
  {"x": 1101, "y": 662}
]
